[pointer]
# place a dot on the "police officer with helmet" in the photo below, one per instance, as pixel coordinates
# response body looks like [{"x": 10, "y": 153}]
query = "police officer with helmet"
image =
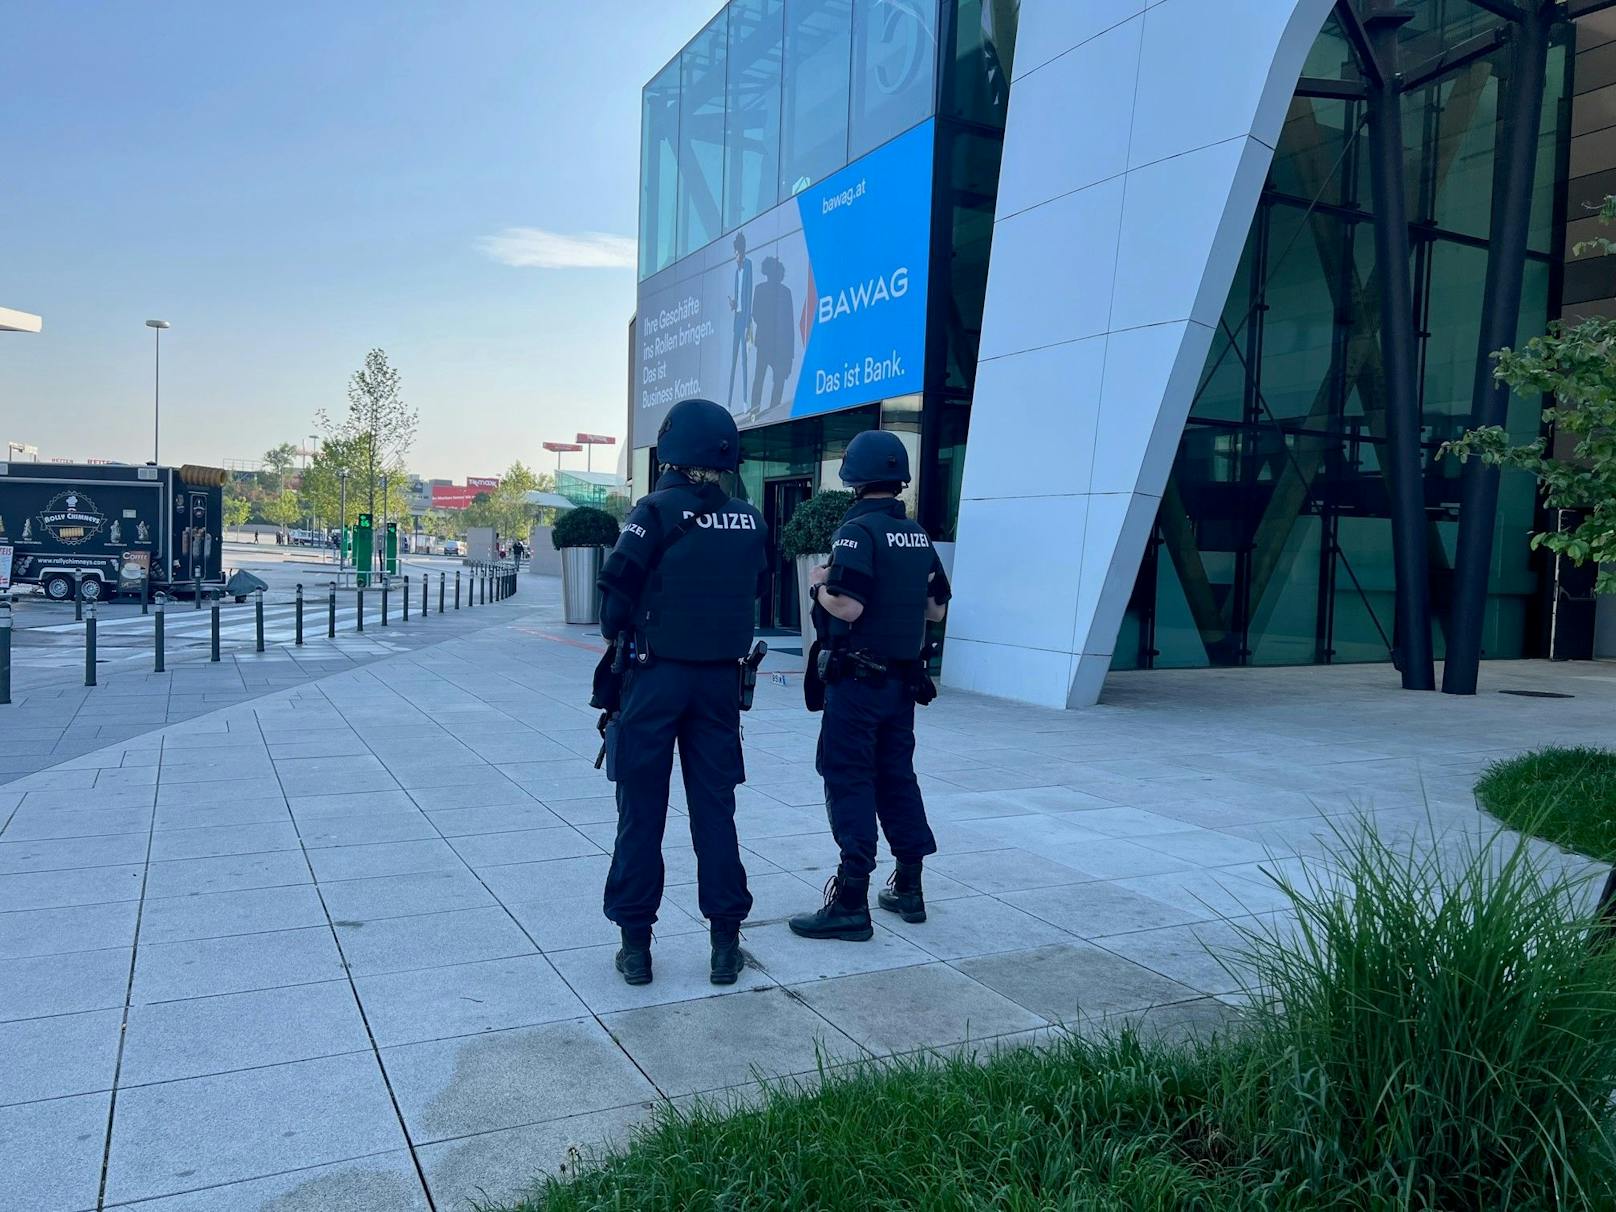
[
  {"x": 883, "y": 584},
  {"x": 680, "y": 589}
]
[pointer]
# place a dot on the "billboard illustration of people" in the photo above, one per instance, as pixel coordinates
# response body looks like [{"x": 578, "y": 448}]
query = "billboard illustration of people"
[{"x": 815, "y": 306}]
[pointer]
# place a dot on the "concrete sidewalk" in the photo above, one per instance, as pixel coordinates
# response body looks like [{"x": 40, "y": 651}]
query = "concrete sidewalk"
[
  {"x": 54, "y": 717},
  {"x": 340, "y": 946}
]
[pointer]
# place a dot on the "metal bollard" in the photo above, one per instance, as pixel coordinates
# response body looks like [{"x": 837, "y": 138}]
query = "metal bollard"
[
  {"x": 385, "y": 587},
  {"x": 213, "y": 631},
  {"x": 297, "y": 616},
  {"x": 157, "y": 634},
  {"x": 78, "y": 597},
  {"x": 482, "y": 580},
  {"x": 425, "y": 577},
  {"x": 258, "y": 620},
  {"x": 89, "y": 645},
  {"x": 471, "y": 589},
  {"x": 457, "y": 589},
  {"x": 145, "y": 595},
  {"x": 5, "y": 652},
  {"x": 406, "y": 602},
  {"x": 331, "y": 614},
  {"x": 359, "y": 608},
  {"x": 442, "y": 580},
  {"x": 196, "y": 597}
]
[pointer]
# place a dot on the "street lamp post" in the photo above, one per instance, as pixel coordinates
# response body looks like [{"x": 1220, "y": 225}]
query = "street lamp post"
[
  {"x": 313, "y": 515},
  {"x": 342, "y": 522},
  {"x": 383, "y": 551},
  {"x": 157, "y": 327}
]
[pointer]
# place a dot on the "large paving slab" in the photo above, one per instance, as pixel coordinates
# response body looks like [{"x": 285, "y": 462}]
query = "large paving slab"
[{"x": 336, "y": 942}]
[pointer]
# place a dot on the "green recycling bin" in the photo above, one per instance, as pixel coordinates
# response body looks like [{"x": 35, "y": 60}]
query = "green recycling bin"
[{"x": 364, "y": 550}]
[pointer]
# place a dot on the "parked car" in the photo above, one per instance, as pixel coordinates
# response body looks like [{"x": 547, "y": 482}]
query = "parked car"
[{"x": 454, "y": 547}]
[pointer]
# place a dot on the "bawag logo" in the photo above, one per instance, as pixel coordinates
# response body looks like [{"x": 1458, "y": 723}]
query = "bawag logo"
[
  {"x": 864, "y": 295},
  {"x": 72, "y": 518}
]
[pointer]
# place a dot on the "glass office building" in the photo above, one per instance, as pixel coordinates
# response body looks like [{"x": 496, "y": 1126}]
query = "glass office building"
[
  {"x": 816, "y": 207},
  {"x": 810, "y": 167}
]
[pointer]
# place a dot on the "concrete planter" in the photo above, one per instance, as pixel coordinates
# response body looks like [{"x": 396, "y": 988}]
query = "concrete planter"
[
  {"x": 580, "y": 569},
  {"x": 1605, "y": 628},
  {"x": 804, "y": 602}
]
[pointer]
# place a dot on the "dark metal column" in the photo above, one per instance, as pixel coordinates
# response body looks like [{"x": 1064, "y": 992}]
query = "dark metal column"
[
  {"x": 1399, "y": 353},
  {"x": 1514, "y": 168}
]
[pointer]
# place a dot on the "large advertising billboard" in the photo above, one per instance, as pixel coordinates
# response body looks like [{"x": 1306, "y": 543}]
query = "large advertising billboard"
[{"x": 816, "y": 306}]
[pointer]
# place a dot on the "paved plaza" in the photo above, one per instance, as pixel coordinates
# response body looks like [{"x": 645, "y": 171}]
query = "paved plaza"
[
  {"x": 339, "y": 946},
  {"x": 59, "y": 717}
]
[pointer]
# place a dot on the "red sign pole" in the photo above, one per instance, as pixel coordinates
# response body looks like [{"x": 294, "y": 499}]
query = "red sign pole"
[
  {"x": 591, "y": 440},
  {"x": 559, "y": 448}
]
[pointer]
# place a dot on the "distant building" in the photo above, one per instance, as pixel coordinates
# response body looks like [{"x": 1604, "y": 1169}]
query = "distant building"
[{"x": 589, "y": 487}]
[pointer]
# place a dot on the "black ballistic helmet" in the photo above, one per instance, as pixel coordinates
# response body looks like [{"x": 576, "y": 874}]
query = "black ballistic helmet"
[
  {"x": 699, "y": 433},
  {"x": 875, "y": 457}
]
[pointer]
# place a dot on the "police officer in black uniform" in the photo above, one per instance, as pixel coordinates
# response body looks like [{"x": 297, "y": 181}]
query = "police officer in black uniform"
[
  {"x": 883, "y": 584},
  {"x": 680, "y": 588}
]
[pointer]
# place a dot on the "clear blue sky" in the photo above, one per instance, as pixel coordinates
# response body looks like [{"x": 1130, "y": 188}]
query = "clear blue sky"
[{"x": 292, "y": 183}]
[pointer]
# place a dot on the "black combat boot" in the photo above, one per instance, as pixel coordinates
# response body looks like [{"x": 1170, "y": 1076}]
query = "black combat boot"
[
  {"x": 634, "y": 956},
  {"x": 727, "y": 958},
  {"x": 903, "y": 896},
  {"x": 845, "y": 915}
]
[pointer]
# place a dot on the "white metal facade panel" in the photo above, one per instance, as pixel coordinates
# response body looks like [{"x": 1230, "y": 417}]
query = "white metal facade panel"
[{"x": 1139, "y": 136}]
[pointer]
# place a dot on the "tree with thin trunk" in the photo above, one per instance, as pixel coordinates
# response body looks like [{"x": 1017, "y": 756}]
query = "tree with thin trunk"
[{"x": 379, "y": 416}]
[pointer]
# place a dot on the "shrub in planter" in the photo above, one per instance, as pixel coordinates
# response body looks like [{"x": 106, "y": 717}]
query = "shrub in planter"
[
  {"x": 814, "y": 523},
  {"x": 584, "y": 527}
]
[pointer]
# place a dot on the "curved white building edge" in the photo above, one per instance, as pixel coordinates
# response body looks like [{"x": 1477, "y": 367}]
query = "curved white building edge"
[{"x": 1140, "y": 133}]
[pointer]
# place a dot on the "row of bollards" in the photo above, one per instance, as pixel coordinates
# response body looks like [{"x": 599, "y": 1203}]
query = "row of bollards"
[{"x": 486, "y": 582}]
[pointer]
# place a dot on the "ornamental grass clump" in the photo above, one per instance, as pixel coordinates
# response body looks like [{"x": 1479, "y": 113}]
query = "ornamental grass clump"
[{"x": 1437, "y": 1033}]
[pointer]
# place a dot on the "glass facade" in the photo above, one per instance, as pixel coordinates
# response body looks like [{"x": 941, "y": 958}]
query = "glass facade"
[
  {"x": 772, "y": 97},
  {"x": 752, "y": 109},
  {"x": 894, "y": 70},
  {"x": 1273, "y": 544},
  {"x": 659, "y": 170},
  {"x": 702, "y": 84}
]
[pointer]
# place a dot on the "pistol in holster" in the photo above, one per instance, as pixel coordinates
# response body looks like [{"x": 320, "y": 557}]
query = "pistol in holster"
[{"x": 749, "y": 673}]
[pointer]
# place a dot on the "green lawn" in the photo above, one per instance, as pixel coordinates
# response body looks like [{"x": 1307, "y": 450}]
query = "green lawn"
[
  {"x": 1447, "y": 1041},
  {"x": 1565, "y": 795}
]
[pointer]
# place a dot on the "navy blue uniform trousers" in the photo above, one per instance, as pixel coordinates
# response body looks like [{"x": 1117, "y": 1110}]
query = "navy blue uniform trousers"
[
  {"x": 697, "y": 706},
  {"x": 867, "y": 759}
]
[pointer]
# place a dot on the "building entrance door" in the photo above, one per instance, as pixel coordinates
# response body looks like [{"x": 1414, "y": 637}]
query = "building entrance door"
[{"x": 780, "y": 501}]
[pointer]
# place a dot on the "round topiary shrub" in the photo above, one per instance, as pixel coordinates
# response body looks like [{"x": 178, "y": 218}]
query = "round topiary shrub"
[
  {"x": 814, "y": 524},
  {"x": 584, "y": 527}
]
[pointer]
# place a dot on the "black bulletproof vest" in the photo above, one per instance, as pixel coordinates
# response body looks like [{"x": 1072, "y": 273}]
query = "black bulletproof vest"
[
  {"x": 893, "y": 625},
  {"x": 699, "y": 602}
]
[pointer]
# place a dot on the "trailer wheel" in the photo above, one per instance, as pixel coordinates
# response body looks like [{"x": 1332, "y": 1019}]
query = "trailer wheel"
[
  {"x": 59, "y": 587},
  {"x": 92, "y": 589}
]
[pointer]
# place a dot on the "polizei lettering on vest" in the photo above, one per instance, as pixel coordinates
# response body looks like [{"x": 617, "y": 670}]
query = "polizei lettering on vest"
[
  {"x": 724, "y": 521},
  {"x": 864, "y": 295},
  {"x": 907, "y": 538}
]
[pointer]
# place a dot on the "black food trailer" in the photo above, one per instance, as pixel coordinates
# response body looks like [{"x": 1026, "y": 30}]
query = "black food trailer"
[{"x": 112, "y": 528}]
